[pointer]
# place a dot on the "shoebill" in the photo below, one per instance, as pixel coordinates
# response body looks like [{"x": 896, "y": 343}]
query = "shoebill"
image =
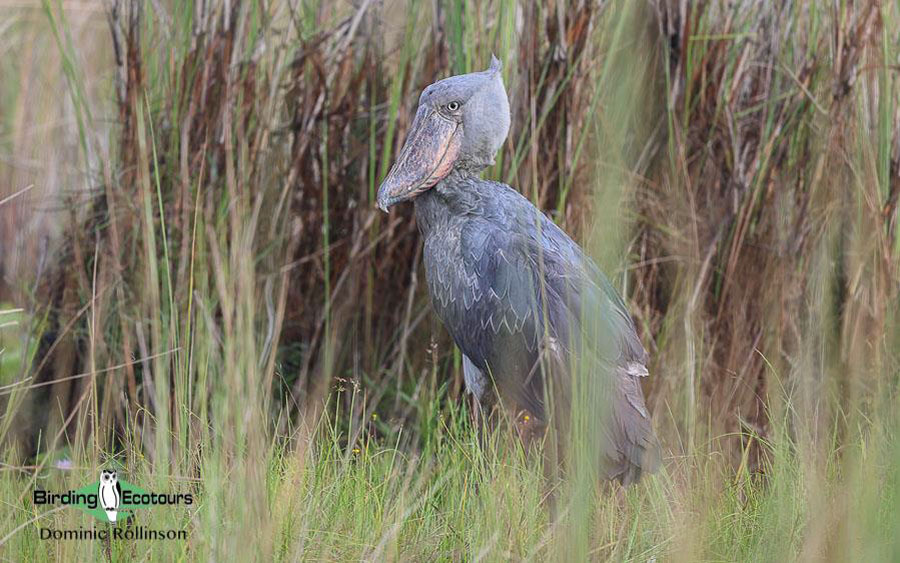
[{"x": 536, "y": 320}]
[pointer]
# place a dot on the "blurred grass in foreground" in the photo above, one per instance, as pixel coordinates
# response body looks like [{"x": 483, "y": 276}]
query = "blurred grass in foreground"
[{"x": 231, "y": 316}]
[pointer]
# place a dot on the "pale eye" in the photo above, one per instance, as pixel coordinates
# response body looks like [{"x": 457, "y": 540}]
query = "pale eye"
[{"x": 453, "y": 106}]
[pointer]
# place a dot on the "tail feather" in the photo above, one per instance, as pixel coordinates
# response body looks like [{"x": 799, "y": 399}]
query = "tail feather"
[
  {"x": 634, "y": 449},
  {"x": 628, "y": 447}
]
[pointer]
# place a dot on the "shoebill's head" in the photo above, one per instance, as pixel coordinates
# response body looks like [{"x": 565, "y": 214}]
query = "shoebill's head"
[{"x": 461, "y": 122}]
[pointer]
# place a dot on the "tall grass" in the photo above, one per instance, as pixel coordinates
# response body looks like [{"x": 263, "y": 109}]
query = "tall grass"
[{"x": 231, "y": 316}]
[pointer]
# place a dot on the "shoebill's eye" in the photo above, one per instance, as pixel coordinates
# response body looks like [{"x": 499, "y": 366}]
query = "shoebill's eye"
[{"x": 453, "y": 106}]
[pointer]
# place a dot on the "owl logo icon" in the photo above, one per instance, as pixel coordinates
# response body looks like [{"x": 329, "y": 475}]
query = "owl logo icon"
[{"x": 110, "y": 493}]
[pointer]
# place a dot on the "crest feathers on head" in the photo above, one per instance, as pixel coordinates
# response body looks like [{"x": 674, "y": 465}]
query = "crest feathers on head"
[{"x": 496, "y": 65}]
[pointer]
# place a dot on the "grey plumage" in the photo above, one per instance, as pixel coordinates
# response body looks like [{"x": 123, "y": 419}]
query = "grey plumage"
[
  {"x": 476, "y": 381},
  {"x": 527, "y": 307}
]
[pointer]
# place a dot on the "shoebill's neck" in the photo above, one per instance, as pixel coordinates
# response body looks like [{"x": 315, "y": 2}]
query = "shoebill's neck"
[{"x": 457, "y": 194}]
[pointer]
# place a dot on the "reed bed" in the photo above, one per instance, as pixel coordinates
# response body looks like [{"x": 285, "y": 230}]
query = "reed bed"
[{"x": 207, "y": 299}]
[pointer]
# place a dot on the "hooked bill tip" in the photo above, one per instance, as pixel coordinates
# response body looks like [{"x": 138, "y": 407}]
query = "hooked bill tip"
[{"x": 384, "y": 203}]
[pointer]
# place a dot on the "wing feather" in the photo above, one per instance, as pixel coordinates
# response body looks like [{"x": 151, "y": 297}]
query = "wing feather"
[{"x": 523, "y": 291}]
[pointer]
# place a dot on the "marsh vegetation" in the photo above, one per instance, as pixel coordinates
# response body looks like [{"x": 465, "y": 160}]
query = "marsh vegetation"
[{"x": 196, "y": 287}]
